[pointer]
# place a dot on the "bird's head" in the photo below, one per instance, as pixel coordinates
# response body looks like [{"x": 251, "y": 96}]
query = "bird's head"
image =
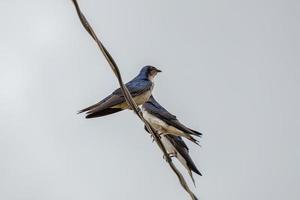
[{"x": 149, "y": 72}]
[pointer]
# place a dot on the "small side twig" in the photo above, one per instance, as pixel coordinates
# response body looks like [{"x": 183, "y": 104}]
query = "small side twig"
[{"x": 129, "y": 98}]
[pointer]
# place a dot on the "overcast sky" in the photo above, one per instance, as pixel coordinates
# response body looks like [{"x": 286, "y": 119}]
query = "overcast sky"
[{"x": 231, "y": 69}]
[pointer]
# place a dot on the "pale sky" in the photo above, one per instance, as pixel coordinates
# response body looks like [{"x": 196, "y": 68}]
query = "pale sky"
[{"x": 231, "y": 69}]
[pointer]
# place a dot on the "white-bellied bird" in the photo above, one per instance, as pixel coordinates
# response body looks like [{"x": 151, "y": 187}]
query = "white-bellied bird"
[
  {"x": 170, "y": 131},
  {"x": 164, "y": 122},
  {"x": 140, "y": 88}
]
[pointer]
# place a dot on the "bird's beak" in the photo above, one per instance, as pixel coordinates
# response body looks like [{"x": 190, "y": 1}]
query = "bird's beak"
[{"x": 158, "y": 70}]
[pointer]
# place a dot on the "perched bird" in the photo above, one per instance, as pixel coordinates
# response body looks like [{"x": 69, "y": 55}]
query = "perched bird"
[
  {"x": 170, "y": 130},
  {"x": 176, "y": 147},
  {"x": 164, "y": 122},
  {"x": 140, "y": 88}
]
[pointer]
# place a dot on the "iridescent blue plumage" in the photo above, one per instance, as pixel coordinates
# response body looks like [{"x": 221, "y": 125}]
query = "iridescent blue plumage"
[
  {"x": 140, "y": 88},
  {"x": 165, "y": 124},
  {"x": 154, "y": 108}
]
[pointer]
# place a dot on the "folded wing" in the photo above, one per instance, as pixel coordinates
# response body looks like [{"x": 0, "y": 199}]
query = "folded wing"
[{"x": 116, "y": 101}]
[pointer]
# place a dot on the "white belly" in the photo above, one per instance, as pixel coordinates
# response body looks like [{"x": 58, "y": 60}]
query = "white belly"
[
  {"x": 161, "y": 126},
  {"x": 157, "y": 123},
  {"x": 164, "y": 128},
  {"x": 139, "y": 100},
  {"x": 167, "y": 144}
]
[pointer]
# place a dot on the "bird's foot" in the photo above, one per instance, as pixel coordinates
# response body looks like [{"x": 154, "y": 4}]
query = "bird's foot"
[
  {"x": 171, "y": 155},
  {"x": 160, "y": 134}
]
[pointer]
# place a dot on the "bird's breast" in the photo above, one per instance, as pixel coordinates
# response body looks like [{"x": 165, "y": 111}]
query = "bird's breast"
[
  {"x": 141, "y": 99},
  {"x": 161, "y": 125},
  {"x": 154, "y": 121}
]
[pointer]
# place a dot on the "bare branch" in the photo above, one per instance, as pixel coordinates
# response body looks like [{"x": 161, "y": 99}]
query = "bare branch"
[{"x": 129, "y": 98}]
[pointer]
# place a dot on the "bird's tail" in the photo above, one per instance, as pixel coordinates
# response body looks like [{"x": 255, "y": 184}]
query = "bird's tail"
[
  {"x": 183, "y": 155},
  {"x": 189, "y": 137},
  {"x": 196, "y": 133},
  {"x": 100, "y": 109},
  {"x": 101, "y": 113},
  {"x": 185, "y": 159},
  {"x": 89, "y": 108},
  {"x": 192, "y": 177}
]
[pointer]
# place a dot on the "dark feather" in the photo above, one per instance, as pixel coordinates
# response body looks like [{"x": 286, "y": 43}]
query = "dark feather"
[
  {"x": 104, "y": 112},
  {"x": 196, "y": 132},
  {"x": 181, "y": 147},
  {"x": 104, "y": 107},
  {"x": 95, "y": 105},
  {"x": 154, "y": 108}
]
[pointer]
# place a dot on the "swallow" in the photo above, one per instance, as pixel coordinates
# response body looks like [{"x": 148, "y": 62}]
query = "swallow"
[
  {"x": 176, "y": 147},
  {"x": 139, "y": 87},
  {"x": 166, "y": 123}
]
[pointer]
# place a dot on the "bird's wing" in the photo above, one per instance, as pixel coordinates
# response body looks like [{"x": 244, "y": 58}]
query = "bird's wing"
[
  {"x": 183, "y": 150},
  {"x": 95, "y": 105},
  {"x": 179, "y": 142},
  {"x": 160, "y": 112},
  {"x": 136, "y": 88},
  {"x": 177, "y": 124}
]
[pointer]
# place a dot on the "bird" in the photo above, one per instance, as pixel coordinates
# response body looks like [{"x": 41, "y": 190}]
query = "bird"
[
  {"x": 139, "y": 87},
  {"x": 176, "y": 147},
  {"x": 166, "y": 123},
  {"x": 171, "y": 130}
]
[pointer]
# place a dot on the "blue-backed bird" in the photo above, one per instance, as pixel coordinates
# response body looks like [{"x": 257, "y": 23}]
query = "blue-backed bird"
[
  {"x": 140, "y": 88},
  {"x": 164, "y": 122},
  {"x": 170, "y": 130},
  {"x": 176, "y": 147}
]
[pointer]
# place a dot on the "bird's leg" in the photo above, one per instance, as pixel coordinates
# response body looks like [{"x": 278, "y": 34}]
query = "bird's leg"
[
  {"x": 160, "y": 131},
  {"x": 153, "y": 139},
  {"x": 171, "y": 155}
]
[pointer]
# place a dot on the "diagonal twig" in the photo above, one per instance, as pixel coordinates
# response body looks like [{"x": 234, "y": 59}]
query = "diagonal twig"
[{"x": 129, "y": 98}]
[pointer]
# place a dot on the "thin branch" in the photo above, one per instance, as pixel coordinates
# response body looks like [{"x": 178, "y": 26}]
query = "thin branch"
[{"x": 129, "y": 98}]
